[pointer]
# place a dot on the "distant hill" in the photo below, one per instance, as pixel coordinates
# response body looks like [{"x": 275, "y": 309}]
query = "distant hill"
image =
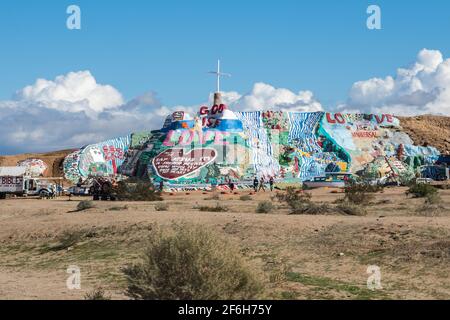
[
  {"x": 428, "y": 130},
  {"x": 52, "y": 159}
]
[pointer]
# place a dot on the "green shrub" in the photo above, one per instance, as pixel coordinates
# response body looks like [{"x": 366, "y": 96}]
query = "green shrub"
[
  {"x": 217, "y": 208},
  {"x": 136, "y": 191},
  {"x": 356, "y": 196},
  {"x": 300, "y": 202},
  {"x": 162, "y": 207},
  {"x": 360, "y": 194},
  {"x": 265, "y": 207},
  {"x": 310, "y": 208},
  {"x": 422, "y": 191},
  {"x": 293, "y": 196},
  {"x": 85, "y": 205},
  {"x": 245, "y": 198},
  {"x": 189, "y": 262}
]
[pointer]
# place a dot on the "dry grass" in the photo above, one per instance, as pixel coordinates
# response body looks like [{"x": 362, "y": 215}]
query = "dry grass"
[
  {"x": 265, "y": 207},
  {"x": 246, "y": 198},
  {"x": 214, "y": 196},
  {"x": 391, "y": 246},
  {"x": 218, "y": 208},
  {"x": 162, "y": 207}
]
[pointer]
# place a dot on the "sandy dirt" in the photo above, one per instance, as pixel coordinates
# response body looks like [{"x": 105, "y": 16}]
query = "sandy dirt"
[{"x": 302, "y": 257}]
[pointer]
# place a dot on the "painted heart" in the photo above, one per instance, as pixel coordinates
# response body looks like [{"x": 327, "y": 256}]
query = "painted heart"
[{"x": 174, "y": 164}]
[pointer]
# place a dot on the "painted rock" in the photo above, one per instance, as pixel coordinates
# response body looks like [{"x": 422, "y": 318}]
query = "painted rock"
[{"x": 174, "y": 164}]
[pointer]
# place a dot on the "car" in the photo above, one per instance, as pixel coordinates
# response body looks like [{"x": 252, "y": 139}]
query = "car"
[
  {"x": 78, "y": 191},
  {"x": 424, "y": 181}
]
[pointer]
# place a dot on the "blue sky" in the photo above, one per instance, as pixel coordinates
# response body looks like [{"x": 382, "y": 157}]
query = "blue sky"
[
  {"x": 167, "y": 46},
  {"x": 134, "y": 62}
]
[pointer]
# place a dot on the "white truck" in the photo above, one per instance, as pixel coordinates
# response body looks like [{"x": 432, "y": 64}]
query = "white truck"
[{"x": 15, "y": 181}]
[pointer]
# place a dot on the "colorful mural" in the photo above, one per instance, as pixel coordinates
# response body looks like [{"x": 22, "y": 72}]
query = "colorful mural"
[
  {"x": 35, "y": 167},
  {"x": 70, "y": 166},
  {"x": 174, "y": 164},
  {"x": 218, "y": 145},
  {"x": 101, "y": 159}
]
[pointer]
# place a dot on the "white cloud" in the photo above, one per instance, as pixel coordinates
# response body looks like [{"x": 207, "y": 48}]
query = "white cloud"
[
  {"x": 422, "y": 88},
  {"x": 71, "y": 111},
  {"x": 74, "y": 110},
  {"x": 264, "y": 96},
  {"x": 73, "y": 92}
]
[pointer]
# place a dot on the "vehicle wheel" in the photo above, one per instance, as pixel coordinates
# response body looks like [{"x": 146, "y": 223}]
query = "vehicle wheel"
[
  {"x": 44, "y": 194},
  {"x": 2, "y": 196}
]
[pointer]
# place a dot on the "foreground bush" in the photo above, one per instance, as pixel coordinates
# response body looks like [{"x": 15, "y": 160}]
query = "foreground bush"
[
  {"x": 189, "y": 262},
  {"x": 360, "y": 194},
  {"x": 293, "y": 196},
  {"x": 311, "y": 208},
  {"x": 300, "y": 203},
  {"x": 422, "y": 191},
  {"x": 265, "y": 207},
  {"x": 137, "y": 191}
]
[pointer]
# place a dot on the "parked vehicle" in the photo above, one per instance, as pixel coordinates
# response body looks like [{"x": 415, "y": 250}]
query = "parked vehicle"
[
  {"x": 330, "y": 180},
  {"x": 14, "y": 181},
  {"x": 78, "y": 191},
  {"x": 435, "y": 172},
  {"x": 102, "y": 189},
  {"x": 424, "y": 181}
]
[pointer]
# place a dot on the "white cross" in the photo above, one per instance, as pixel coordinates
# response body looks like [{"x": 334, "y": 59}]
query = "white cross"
[{"x": 219, "y": 74}]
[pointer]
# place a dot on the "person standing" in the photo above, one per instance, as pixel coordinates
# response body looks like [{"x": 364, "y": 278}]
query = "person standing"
[
  {"x": 231, "y": 185},
  {"x": 262, "y": 184},
  {"x": 255, "y": 184},
  {"x": 271, "y": 182}
]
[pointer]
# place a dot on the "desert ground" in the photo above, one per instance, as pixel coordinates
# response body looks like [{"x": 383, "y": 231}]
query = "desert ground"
[{"x": 300, "y": 256}]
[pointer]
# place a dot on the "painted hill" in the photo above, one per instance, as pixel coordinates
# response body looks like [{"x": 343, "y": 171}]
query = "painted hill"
[{"x": 217, "y": 144}]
